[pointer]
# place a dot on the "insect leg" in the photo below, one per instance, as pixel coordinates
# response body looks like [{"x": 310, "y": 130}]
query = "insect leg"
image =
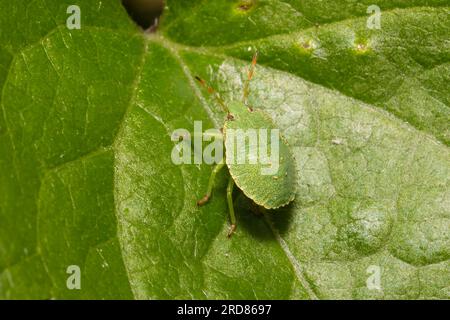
[
  {"x": 251, "y": 72},
  {"x": 213, "y": 93},
  {"x": 212, "y": 178},
  {"x": 231, "y": 207}
]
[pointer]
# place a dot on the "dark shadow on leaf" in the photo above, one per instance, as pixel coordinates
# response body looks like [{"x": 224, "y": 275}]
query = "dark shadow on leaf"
[
  {"x": 251, "y": 218},
  {"x": 282, "y": 218}
]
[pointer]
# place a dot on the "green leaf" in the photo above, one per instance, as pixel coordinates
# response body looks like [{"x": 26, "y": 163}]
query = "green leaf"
[{"x": 87, "y": 178}]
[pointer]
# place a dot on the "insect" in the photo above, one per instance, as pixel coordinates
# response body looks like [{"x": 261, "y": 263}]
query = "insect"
[{"x": 270, "y": 191}]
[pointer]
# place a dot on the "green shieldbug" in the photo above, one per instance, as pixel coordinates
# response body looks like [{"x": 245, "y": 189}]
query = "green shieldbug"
[{"x": 270, "y": 191}]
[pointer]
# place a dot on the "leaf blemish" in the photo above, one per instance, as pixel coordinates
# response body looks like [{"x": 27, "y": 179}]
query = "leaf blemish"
[
  {"x": 305, "y": 46},
  {"x": 361, "y": 47},
  {"x": 244, "y": 6}
]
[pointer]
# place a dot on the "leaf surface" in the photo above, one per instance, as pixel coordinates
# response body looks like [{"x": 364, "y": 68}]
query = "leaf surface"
[{"x": 87, "y": 178}]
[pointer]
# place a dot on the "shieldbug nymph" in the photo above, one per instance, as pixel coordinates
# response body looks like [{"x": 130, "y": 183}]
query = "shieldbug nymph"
[{"x": 270, "y": 191}]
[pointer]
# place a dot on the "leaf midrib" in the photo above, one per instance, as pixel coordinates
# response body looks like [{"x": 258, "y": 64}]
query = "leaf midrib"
[{"x": 284, "y": 247}]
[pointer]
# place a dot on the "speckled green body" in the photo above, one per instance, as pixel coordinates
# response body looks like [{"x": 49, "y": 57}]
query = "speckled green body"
[{"x": 269, "y": 191}]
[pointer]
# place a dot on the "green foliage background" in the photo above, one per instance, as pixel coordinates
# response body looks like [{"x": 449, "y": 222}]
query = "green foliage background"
[{"x": 86, "y": 176}]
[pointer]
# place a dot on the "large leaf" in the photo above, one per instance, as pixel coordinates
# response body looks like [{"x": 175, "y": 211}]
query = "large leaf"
[{"x": 87, "y": 178}]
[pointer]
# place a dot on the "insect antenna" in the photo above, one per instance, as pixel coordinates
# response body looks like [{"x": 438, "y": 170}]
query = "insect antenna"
[
  {"x": 251, "y": 72},
  {"x": 213, "y": 93}
]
